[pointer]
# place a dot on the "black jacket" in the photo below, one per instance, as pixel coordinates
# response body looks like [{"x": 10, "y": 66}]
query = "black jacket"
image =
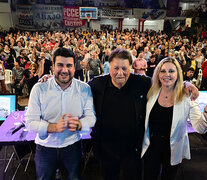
[{"x": 139, "y": 87}]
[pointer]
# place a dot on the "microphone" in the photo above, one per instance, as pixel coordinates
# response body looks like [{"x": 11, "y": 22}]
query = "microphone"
[{"x": 18, "y": 128}]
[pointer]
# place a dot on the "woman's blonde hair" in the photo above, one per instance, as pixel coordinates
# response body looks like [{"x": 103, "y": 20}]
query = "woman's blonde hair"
[
  {"x": 156, "y": 84},
  {"x": 33, "y": 64}
]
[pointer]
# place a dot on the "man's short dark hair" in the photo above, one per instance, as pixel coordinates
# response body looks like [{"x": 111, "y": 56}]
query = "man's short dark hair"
[
  {"x": 64, "y": 52},
  {"x": 122, "y": 54},
  {"x": 152, "y": 56},
  {"x": 20, "y": 52},
  {"x": 190, "y": 69}
]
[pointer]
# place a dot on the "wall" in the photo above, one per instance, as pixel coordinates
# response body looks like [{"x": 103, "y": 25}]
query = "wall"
[
  {"x": 131, "y": 23},
  {"x": 113, "y": 22},
  {"x": 156, "y": 25},
  {"x": 186, "y": 6},
  {"x": 5, "y": 16},
  {"x": 95, "y": 24}
]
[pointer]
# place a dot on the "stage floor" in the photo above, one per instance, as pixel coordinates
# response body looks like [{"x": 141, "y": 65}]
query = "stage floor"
[{"x": 194, "y": 169}]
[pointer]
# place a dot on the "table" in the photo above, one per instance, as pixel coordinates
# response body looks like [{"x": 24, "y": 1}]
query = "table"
[
  {"x": 17, "y": 138},
  {"x": 20, "y": 137}
]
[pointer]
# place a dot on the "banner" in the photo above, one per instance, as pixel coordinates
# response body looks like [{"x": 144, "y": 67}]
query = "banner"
[
  {"x": 24, "y": 17},
  {"x": 149, "y": 14},
  {"x": 47, "y": 17},
  {"x": 72, "y": 2},
  {"x": 71, "y": 17},
  {"x": 115, "y": 13},
  {"x": 188, "y": 22}
]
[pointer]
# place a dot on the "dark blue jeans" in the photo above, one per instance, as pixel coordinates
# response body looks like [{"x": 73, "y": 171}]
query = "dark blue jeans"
[{"x": 46, "y": 160}]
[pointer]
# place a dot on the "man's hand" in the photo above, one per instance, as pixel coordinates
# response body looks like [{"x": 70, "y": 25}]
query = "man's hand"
[
  {"x": 45, "y": 78},
  {"x": 61, "y": 124},
  {"x": 57, "y": 127},
  {"x": 21, "y": 82},
  {"x": 73, "y": 123},
  {"x": 191, "y": 90}
]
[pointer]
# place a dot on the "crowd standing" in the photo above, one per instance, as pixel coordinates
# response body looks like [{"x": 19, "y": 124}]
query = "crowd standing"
[
  {"x": 118, "y": 143},
  {"x": 93, "y": 49}
]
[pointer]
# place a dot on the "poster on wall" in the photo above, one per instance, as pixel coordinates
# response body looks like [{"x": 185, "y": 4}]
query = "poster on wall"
[
  {"x": 24, "y": 17},
  {"x": 108, "y": 3},
  {"x": 149, "y": 14},
  {"x": 47, "y": 17},
  {"x": 23, "y": 2},
  {"x": 115, "y": 13},
  {"x": 72, "y": 2},
  {"x": 71, "y": 17},
  {"x": 146, "y": 4},
  {"x": 188, "y": 22}
]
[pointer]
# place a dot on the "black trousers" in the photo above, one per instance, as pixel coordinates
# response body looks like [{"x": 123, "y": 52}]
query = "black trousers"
[
  {"x": 157, "y": 160},
  {"x": 122, "y": 168}
]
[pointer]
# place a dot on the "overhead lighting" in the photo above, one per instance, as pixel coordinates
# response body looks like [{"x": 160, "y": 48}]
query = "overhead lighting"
[{"x": 173, "y": 19}]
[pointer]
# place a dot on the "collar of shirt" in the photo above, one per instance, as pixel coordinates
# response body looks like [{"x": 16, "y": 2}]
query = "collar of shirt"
[
  {"x": 59, "y": 88},
  {"x": 111, "y": 85}
]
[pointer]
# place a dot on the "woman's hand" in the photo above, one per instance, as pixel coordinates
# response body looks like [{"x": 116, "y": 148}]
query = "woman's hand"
[
  {"x": 191, "y": 90},
  {"x": 45, "y": 78}
]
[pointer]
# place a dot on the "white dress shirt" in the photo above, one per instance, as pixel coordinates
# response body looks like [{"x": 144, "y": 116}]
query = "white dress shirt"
[{"x": 48, "y": 102}]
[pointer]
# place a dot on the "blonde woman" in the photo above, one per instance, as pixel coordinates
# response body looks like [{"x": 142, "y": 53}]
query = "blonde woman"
[{"x": 166, "y": 140}]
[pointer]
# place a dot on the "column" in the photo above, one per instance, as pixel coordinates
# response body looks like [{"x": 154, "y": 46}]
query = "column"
[{"x": 120, "y": 23}]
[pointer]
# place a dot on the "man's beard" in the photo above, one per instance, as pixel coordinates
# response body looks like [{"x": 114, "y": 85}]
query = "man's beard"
[{"x": 64, "y": 81}]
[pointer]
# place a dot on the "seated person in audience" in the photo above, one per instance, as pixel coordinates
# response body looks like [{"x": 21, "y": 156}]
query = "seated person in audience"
[
  {"x": 140, "y": 64},
  {"x": 204, "y": 75},
  {"x": 191, "y": 62},
  {"x": 20, "y": 58},
  {"x": 151, "y": 66},
  {"x": 17, "y": 78},
  {"x": 47, "y": 63},
  {"x": 32, "y": 75},
  {"x": 47, "y": 55},
  {"x": 94, "y": 65},
  {"x": 146, "y": 54},
  {"x": 34, "y": 55},
  {"x": 189, "y": 74},
  {"x": 2, "y": 77},
  {"x": 78, "y": 66},
  {"x": 9, "y": 57},
  {"x": 27, "y": 62},
  {"x": 106, "y": 65}
]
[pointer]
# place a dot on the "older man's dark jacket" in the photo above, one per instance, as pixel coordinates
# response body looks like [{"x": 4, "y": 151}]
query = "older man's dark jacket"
[{"x": 138, "y": 89}]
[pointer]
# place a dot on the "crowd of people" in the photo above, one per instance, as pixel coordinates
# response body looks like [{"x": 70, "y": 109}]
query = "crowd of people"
[
  {"x": 93, "y": 49},
  {"x": 123, "y": 106}
]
